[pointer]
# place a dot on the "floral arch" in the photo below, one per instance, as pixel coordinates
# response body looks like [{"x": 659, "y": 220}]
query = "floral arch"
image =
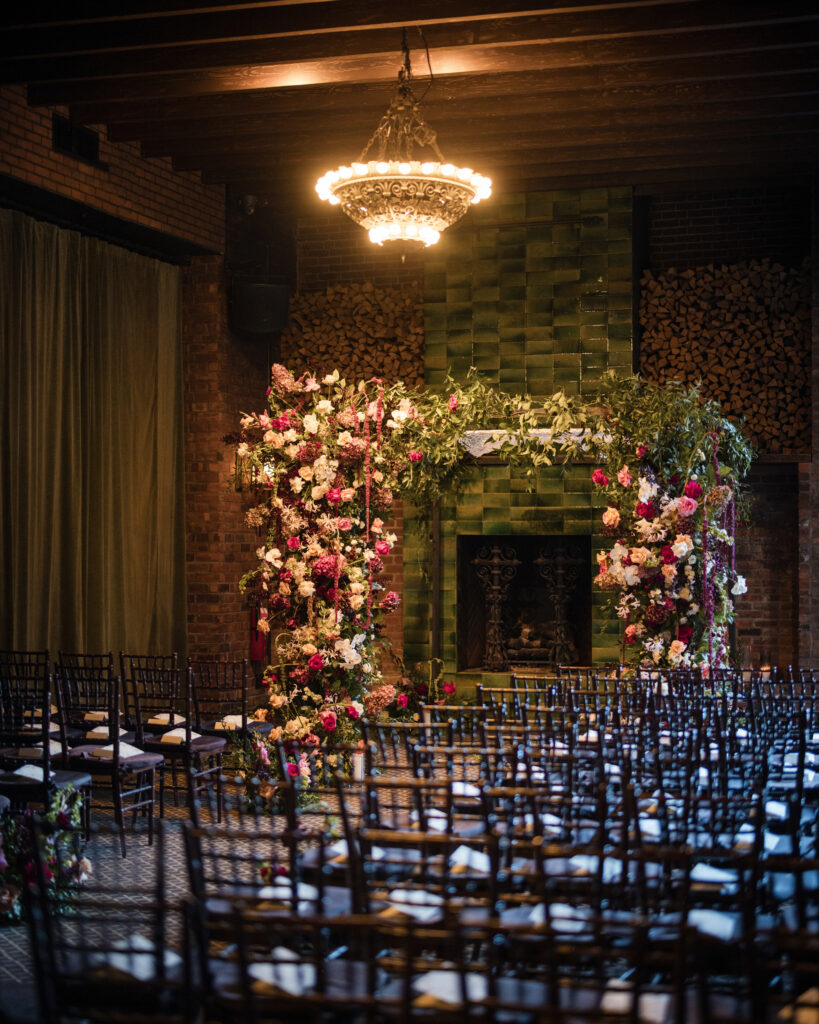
[{"x": 327, "y": 459}]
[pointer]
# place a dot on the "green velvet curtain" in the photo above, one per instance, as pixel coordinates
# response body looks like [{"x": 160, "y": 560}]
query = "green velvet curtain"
[{"x": 91, "y": 518}]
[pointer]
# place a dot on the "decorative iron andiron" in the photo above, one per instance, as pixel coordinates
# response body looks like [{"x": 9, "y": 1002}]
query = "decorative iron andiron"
[
  {"x": 560, "y": 570},
  {"x": 496, "y": 567}
]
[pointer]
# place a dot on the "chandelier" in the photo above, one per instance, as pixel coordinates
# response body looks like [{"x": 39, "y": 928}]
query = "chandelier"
[{"x": 393, "y": 194}]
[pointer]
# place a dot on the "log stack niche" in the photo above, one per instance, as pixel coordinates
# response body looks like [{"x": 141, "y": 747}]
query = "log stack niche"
[
  {"x": 744, "y": 331},
  {"x": 361, "y": 330}
]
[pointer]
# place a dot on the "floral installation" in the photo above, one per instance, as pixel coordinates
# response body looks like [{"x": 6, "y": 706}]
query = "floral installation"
[
  {"x": 17, "y": 866},
  {"x": 325, "y": 462},
  {"x": 671, "y": 481}
]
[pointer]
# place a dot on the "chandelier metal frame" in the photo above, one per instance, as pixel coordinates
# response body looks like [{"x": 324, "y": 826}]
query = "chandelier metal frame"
[{"x": 396, "y": 196}]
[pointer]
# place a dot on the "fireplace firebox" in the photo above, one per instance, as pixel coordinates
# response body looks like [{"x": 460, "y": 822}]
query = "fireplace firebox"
[{"x": 523, "y": 601}]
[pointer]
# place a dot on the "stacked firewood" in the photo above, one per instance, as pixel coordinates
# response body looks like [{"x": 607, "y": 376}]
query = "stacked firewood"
[
  {"x": 361, "y": 330},
  {"x": 744, "y": 331}
]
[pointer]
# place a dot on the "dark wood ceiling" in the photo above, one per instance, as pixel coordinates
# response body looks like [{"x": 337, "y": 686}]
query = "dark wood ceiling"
[{"x": 266, "y": 96}]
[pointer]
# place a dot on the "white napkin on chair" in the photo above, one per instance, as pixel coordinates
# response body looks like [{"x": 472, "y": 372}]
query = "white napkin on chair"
[
  {"x": 177, "y": 736},
  {"x": 125, "y": 750},
  {"x": 652, "y": 1007},
  {"x": 31, "y": 771},
  {"x": 165, "y": 719},
  {"x": 229, "y": 723},
  {"x": 137, "y": 958},
  {"x": 100, "y": 733},
  {"x": 445, "y": 987},
  {"x": 285, "y": 974}
]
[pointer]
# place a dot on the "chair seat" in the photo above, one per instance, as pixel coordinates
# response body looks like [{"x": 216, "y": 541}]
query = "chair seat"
[
  {"x": 84, "y": 758},
  {"x": 201, "y": 745},
  {"x": 17, "y": 788}
]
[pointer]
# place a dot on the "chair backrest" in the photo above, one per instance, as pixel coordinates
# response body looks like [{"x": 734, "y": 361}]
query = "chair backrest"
[
  {"x": 217, "y": 689},
  {"x": 153, "y": 692},
  {"x": 26, "y": 727},
  {"x": 84, "y": 684}
]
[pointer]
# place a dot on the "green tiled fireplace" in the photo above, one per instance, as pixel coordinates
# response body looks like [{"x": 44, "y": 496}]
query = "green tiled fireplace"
[{"x": 536, "y": 293}]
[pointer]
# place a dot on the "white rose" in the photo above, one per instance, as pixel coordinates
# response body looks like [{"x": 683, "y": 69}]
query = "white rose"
[
  {"x": 647, "y": 490},
  {"x": 331, "y": 378},
  {"x": 310, "y": 423},
  {"x": 307, "y": 588},
  {"x": 306, "y": 472},
  {"x": 291, "y": 436},
  {"x": 631, "y": 575},
  {"x": 740, "y": 587},
  {"x": 318, "y": 492},
  {"x": 309, "y": 649},
  {"x": 274, "y": 556},
  {"x": 356, "y": 602},
  {"x": 296, "y": 484},
  {"x": 324, "y": 407}
]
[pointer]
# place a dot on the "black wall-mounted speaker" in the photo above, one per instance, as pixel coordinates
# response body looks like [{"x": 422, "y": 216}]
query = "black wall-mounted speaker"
[{"x": 258, "y": 307}]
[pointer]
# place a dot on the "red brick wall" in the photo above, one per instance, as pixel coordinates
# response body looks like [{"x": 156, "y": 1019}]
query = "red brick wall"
[
  {"x": 767, "y": 555},
  {"x": 331, "y": 249},
  {"x": 694, "y": 229},
  {"x": 147, "y": 192},
  {"x": 223, "y": 378}
]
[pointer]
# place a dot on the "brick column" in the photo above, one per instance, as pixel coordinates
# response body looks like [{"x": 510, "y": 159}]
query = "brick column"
[{"x": 223, "y": 377}]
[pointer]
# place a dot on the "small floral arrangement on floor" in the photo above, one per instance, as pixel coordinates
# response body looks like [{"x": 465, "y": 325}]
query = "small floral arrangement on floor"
[
  {"x": 17, "y": 866},
  {"x": 671, "y": 479}
]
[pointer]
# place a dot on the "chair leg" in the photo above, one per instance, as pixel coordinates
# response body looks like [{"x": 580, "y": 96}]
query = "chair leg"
[
  {"x": 151, "y": 777},
  {"x": 119, "y": 818}
]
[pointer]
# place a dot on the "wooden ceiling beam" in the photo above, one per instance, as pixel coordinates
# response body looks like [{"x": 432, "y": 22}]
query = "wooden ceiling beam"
[
  {"x": 293, "y": 34},
  {"x": 292, "y": 135},
  {"x": 684, "y": 72},
  {"x": 794, "y": 146},
  {"x": 446, "y": 60}
]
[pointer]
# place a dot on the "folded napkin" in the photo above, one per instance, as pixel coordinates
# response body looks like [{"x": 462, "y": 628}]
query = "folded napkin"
[
  {"x": 464, "y": 789},
  {"x": 652, "y": 1007},
  {"x": 136, "y": 959},
  {"x": 713, "y": 876},
  {"x": 562, "y": 917},
  {"x": 229, "y": 723},
  {"x": 125, "y": 750},
  {"x": 165, "y": 719},
  {"x": 444, "y": 988},
  {"x": 583, "y": 864},
  {"x": 36, "y": 749},
  {"x": 414, "y": 903},
  {"x": 38, "y": 712},
  {"x": 468, "y": 859},
  {"x": 718, "y": 923},
  {"x": 31, "y": 771},
  {"x": 776, "y": 809},
  {"x": 177, "y": 736},
  {"x": 95, "y": 716},
  {"x": 100, "y": 733},
  {"x": 285, "y": 974}
]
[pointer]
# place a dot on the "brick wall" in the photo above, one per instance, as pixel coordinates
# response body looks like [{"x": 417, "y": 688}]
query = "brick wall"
[
  {"x": 331, "y": 249},
  {"x": 147, "y": 192},
  {"x": 222, "y": 379},
  {"x": 694, "y": 229},
  {"x": 767, "y": 548}
]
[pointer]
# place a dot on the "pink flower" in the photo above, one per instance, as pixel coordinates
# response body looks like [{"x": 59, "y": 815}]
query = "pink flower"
[
  {"x": 292, "y": 770},
  {"x": 401, "y": 700},
  {"x": 264, "y": 421},
  {"x": 344, "y": 523},
  {"x": 351, "y": 711},
  {"x": 382, "y": 547},
  {"x": 334, "y": 495},
  {"x": 415, "y": 456},
  {"x": 687, "y": 506},
  {"x": 693, "y": 490},
  {"x": 390, "y": 601},
  {"x": 293, "y": 543},
  {"x": 453, "y": 403},
  {"x": 449, "y": 687},
  {"x": 377, "y": 525},
  {"x": 328, "y": 720},
  {"x": 641, "y": 450},
  {"x": 311, "y": 384},
  {"x": 316, "y": 662},
  {"x": 600, "y": 478},
  {"x": 624, "y": 477}
]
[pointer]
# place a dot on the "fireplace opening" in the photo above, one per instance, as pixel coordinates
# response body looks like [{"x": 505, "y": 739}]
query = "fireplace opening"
[{"x": 523, "y": 602}]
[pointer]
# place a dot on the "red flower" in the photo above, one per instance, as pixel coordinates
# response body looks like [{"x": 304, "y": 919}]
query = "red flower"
[
  {"x": 641, "y": 450},
  {"x": 693, "y": 490},
  {"x": 645, "y": 510},
  {"x": 293, "y": 543},
  {"x": 684, "y": 633},
  {"x": 415, "y": 456},
  {"x": 292, "y": 770},
  {"x": 328, "y": 720},
  {"x": 402, "y": 700},
  {"x": 449, "y": 687},
  {"x": 667, "y": 555},
  {"x": 351, "y": 711},
  {"x": 334, "y": 495},
  {"x": 316, "y": 663},
  {"x": 600, "y": 478}
]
